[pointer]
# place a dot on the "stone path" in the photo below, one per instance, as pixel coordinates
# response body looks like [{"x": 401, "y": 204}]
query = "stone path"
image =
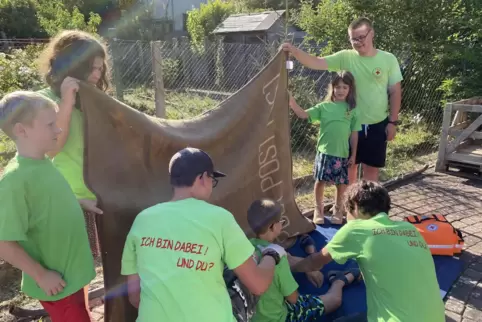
[{"x": 460, "y": 200}]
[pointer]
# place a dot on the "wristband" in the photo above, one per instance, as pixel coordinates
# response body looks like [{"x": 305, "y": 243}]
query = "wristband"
[{"x": 273, "y": 254}]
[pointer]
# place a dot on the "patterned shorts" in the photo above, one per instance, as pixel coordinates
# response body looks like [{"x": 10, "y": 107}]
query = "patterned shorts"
[
  {"x": 307, "y": 308},
  {"x": 330, "y": 169}
]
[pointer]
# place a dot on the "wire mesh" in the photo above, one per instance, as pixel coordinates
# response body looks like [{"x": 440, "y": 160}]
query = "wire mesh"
[{"x": 197, "y": 79}]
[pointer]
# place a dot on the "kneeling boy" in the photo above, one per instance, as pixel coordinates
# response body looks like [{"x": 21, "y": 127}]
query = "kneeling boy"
[
  {"x": 396, "y": 263},
  {"x": 282, "y": 302}
]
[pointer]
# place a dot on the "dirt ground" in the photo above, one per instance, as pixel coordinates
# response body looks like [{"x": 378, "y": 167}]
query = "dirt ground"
[{"x": 10, "y": 291}]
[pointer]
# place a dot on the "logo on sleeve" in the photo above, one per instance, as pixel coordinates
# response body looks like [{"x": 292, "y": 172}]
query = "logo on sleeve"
[{"x": 377, "y": 72}]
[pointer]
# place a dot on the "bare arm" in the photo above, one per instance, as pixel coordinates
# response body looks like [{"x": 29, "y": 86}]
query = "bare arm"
[
  {"x": 49, "y": 281},
  {"x": 353, "y": 144},
  {"x": 314, "y": 262},
  {"x": 293, "y": 297},
  {"x": 298, "y": 110},
  {"x": 134, "y": 289},
  {"x": 293, "y": 260},
  {"x": 257, "y": 278},
  {"x": 14, "y": 254},
  {"x": 68, "y": 89},
  {"x": 306, "y": 59},
  {"x": 395, "y": 100}
]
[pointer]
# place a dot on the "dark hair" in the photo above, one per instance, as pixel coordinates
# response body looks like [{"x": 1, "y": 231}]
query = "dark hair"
[
  {"x": 359, "y": 22},
  {"x": 72, "y": 53},
  {"x": 370, "y": 197},
  {"x": 262, "y": 214},
  {"x": 184, "y": 181},
  {"x": 348, "y": 79}
]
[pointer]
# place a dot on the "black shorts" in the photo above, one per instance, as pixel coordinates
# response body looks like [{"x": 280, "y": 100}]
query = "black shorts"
[{"x": 372, "y": 145}]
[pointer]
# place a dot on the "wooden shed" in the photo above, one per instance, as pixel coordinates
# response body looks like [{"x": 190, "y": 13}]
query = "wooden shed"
[{"x": 461, "y": 141}]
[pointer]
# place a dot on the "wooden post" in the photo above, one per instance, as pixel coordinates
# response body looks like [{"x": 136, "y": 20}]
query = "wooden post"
[
  {"x": 440, "y": 165},
  {"x": 160, "y": 95}
]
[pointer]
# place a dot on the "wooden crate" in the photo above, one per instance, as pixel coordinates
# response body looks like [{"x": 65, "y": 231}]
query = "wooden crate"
[{"x": 461, "y": 141}]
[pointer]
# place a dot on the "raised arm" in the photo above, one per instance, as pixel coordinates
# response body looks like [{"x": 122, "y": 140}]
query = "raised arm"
[
  {"x": 298, "y": 110},
  {"x": 68, "y": 89},
  {"x": 304, "y": 58}
]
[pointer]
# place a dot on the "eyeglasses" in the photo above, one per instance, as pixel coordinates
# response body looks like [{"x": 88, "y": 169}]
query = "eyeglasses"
[
  {"x": 215, "y": 180},
  {"x": 359, "y": 38}
]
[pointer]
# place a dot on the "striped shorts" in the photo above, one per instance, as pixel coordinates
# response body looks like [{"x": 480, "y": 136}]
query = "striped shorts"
[{"x": 307, "y": 308}]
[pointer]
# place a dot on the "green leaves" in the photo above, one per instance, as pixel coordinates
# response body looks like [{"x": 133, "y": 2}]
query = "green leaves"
[
  {"x": 201, "y": 22},
  {"x": 54, "y": 17}
]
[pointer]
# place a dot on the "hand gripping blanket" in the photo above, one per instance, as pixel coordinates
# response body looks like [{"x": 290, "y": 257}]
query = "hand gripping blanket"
[{"x": 127, "y": 155}]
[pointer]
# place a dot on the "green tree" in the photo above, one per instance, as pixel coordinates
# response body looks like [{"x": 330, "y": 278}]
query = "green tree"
[
  {"x": 201, "y": 22},
  {"x": 53, "y": 16},
  {"x": 18, "y": 19}
]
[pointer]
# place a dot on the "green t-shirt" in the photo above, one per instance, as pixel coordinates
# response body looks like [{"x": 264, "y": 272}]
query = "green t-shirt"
[
  {"x": 271, "y": 305},
  {"x": 373, "y": 76},
  {"x": 397, "y": 267},
  {"x": 179, "y": 249},
  {"x": 337, "y": 122},
  {"x": 70, "y": 160},
  {"x": 40, "y": 212}
]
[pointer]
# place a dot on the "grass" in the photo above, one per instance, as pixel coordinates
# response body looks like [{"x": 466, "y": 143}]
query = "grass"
[{"x": 409, "y": 151}]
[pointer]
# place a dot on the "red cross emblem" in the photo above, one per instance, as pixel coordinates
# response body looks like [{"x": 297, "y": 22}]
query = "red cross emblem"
[{"x": 377, "y": 72}]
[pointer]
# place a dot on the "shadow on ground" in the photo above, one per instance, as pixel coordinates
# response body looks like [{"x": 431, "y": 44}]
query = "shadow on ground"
[{"x": 460, "y": 200}]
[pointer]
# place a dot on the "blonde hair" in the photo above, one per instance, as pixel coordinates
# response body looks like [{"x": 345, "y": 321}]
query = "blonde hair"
[{"x": 21, "y": 107}]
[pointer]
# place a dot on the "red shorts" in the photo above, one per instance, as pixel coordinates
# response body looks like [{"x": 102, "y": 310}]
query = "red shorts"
[{"x": 69, "y": 309}]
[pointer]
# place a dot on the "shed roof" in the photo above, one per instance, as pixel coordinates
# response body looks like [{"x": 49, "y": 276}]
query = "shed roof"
[{"x": 260, "y": 21}]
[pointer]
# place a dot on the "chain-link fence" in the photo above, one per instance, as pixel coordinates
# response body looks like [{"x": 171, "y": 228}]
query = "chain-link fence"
[{"x": 197, "y": 79}]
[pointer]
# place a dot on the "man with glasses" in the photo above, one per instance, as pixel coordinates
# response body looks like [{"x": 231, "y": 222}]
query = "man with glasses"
[
  {"x": 377, "y": 75},
  {"x": 176, "y": 251}
]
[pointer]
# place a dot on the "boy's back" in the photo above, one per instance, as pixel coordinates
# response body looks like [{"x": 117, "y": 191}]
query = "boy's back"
[
  {"x": 41, "y": 213},
  {"x": 179, "y": 249},
  {"x": 397, "y": 267}
]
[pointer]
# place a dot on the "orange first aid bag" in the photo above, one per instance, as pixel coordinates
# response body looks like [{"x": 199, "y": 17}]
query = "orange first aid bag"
[{"x": 441, "y": 237}]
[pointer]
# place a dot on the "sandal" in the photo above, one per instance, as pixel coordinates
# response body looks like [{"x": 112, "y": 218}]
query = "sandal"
[
  {"x": 337, "y": 217},
  {"x": 341, "y": 276},
  {"x": 318, "y": 216},
  {"x": 305, "y": 242}
]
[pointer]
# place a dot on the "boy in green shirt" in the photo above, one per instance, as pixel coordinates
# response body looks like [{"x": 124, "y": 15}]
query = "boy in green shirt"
[
  {"x": 42, "y": 229},
  {"x": 282, "y": 302},
  {"x": 176, "y": 251},
  {"x": 393, "y": 257}
]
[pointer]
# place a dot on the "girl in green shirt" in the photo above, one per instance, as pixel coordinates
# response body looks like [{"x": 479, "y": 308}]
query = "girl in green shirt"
[
  {"x": 70, "y": 57},
  {"x": 339, "y": 126}
]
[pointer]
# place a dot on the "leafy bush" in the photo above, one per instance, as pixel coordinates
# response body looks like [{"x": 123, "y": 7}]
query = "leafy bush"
[
  {"x": 171, "y": 72},
  {"x": 18, "y": 18},
  {"x": 18, "y": 70},
  {"x": 201, "y": 22}
]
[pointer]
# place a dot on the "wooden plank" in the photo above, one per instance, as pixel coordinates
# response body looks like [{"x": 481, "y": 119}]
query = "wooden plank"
[
  {"x": 457, "y": 118},
  {"x": 471, "y": 154},
  {"x": 465, "y": 158},
  {"x": 440, "y": 165},
  {"x": 458, "y": 126},
  {"x": 464, "y": 135},
  {"x": 467, "y": 108},
  {"x": 475, "y": 135}
]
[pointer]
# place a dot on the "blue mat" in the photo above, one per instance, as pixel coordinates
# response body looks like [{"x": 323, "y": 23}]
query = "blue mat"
[{"x": 354, "y": 297}]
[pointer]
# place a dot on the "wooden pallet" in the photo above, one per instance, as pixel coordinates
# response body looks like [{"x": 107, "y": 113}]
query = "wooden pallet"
[{"x": 461, "y": 141}]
